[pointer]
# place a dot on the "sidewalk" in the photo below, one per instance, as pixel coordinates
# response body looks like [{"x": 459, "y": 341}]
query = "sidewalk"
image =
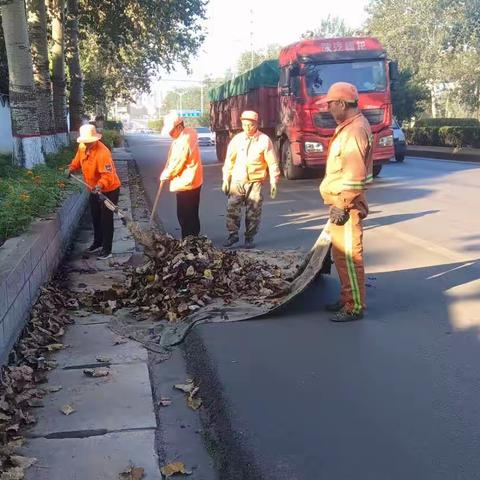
[
  {"x": 114, "y": 424},
  {"x": 447, "y": 153}
]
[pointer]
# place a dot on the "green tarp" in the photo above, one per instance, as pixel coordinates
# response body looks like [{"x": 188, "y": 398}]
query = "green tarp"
[{"x": 264, "y": 75}]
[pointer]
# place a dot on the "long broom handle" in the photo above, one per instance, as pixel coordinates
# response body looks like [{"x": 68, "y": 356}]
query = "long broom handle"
[{"x": 155, "y": 203}]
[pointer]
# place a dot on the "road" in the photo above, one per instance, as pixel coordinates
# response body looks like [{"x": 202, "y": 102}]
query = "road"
[{"x": 395, "y": 396}]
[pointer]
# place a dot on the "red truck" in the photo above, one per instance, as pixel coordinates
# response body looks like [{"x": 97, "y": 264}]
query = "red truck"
[{"x": 286, "y": 94}]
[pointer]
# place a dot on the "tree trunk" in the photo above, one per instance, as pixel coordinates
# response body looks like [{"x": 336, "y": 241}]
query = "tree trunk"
[
  {"x": 57, "y": 10},
  {"x": 37, "y": 22},
  {"x": 74, "y": 69},
  {"x": 23, "y": 101}
]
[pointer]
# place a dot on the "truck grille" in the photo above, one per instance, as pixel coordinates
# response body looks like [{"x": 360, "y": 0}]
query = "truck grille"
[{"x": 325, "y": 119}]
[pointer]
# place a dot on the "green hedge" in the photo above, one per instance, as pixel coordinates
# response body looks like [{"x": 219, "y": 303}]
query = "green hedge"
[
  {"x": 155, "y": 125},
  {"x": 112, "y": 138},
  {"x": 444, "y": 136},
  {"x": 112, "y": 125},
  {"x": 447, "y": 122}
]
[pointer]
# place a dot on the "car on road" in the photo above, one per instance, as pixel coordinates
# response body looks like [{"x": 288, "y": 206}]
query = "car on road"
[
  {"x": 205, "y": 136},
  {"x": 399, "y": 141}
]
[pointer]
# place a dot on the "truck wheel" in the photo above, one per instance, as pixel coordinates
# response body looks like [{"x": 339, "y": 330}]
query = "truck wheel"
[
  {"x": 289, "y": 170},
  {"x": 376, "y": 170}
]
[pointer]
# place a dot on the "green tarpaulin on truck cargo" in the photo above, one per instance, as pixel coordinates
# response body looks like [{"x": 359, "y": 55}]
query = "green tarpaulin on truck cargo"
[{"x": 264, "y": 75}]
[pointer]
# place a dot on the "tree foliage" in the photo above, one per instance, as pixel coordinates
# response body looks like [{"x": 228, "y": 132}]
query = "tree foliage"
[
  {"x": 248, "y": 59},
  {"x": 331, "y": 27},
  {"x": 125, "y": 41}
]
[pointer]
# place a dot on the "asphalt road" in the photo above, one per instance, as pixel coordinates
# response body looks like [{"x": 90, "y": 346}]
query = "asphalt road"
[{"x": 395, "y": 396}]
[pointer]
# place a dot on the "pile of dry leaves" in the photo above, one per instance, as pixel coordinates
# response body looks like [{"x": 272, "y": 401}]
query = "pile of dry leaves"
[
  {"x": 182, "y": 276},
  {"x": 21, "y": 380}
]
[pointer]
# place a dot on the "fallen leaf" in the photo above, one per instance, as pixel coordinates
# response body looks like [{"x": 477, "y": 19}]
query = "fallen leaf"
[
  {"x": 53, "y": 389},
  {"x": 22, "y": 462},
  {"x": 165, "y": 402},
  {"x": 104, "y": 359},
  {"x": 185, "y": 387},
  {"x": 54, "y": 347},
  {"x": 132, "y": 473},
  {"x": 13, "y": 474},
  {"x": 190, "y": 271},
  {"x": 194, "y": 403},
  {"x": 67, "y": 409},
  {"x": 208, "y": 274},
  {"x": 173, "y": 468},
  {"x": 96, "y": 372},
  {"x": 119, "y": 341}
]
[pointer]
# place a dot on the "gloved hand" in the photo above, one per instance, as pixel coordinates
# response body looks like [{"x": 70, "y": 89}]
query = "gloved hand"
[
  {"x": 67, "y": 172},
  {"x": 226, "y": 187},
  {"x": 338, "y": 216},
  {"x": 97, "y": 190},
  {"x": 273, "y": 190},
  {"x": 164, "y": 177}
]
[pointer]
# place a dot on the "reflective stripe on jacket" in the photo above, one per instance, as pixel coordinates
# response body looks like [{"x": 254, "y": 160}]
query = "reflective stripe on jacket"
[
  {"x": 184, "y": 165},
  {"x": 349, "y": 164},
  {"x": 97, "y": 167},
  {"x": 249, "y": 158}
]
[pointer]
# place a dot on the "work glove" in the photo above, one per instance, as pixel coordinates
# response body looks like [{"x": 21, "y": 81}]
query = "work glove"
[
  {"x": 226, "y": 187},
  {"x": 96, "y": 190},
  {"x": 164, "y": 177},
  {"x": 273, "y": 190},
  {"x": 67, "y": 172},
  {"x": 338, "y": 216}
]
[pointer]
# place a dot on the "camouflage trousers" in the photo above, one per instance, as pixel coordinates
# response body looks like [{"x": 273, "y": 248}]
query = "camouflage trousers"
[{"x": 250, "y": 196}]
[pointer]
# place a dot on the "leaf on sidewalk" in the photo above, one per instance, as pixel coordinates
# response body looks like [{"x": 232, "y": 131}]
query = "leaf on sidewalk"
[
  {"x": 22, "y": 462},
  {"x": 96, "y": 372},
  {"x": 16, "y": 473},
  {"x": 53, "y": 389},
  {"x": 165, "y": 402},
  {"x": 67, "y": 409},
  {"x": 194, "y": 403},
  {"x": 55, "y": 347},
  {"x": 119, "y": 341},
  {"x": 174, "y": 468},
  {"x": 132, "y": 473},
  {"x": 185, "y": 387},
  {"x": 104, "y": 359}
]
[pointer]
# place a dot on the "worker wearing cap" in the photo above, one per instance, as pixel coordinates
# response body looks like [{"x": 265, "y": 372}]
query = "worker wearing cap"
[
  {"x": 184, "y": 171},
  {"x": 95, "y": 161},
  {"x": 250, "y": 158},
  {"x": 348, "y": 171}
]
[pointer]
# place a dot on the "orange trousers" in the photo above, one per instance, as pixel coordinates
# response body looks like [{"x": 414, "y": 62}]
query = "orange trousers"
[{"x": 347, "y": 252}]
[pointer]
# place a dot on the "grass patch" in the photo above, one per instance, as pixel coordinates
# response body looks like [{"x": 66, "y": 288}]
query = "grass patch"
[{"x": 29, "y": 194}]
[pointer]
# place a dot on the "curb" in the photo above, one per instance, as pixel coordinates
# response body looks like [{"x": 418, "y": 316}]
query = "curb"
[{"x": 465, "y": 154}]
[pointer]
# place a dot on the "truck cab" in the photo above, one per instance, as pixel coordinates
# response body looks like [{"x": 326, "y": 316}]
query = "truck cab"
[{"x": 307, "y": 70}]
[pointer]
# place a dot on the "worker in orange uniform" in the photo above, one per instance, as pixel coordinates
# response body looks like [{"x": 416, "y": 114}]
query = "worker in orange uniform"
[
  {"x": 348, "y": 171},
  {"x": 184, "y": 170},
  {"x": 250, "y": 156},
  {"x": 95, "y": 161}
]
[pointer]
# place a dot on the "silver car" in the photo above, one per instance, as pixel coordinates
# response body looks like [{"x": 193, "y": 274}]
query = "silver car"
[{"x": 205, "y": 136}]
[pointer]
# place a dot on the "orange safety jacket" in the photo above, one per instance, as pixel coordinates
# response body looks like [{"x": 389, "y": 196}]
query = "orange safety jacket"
[
  {"x": 248, "y": 159},
  {"x": 349, "y": 165},
  {"x": 97, "y": 167},
  {"x": 184, "y": 165}
]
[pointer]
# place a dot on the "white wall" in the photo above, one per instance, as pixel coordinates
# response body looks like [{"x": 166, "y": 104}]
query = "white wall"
[{"x": 6, "y": 138}]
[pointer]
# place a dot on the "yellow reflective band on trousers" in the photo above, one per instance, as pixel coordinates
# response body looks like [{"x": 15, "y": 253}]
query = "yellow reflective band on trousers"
[{"x": 352, "y": 274}]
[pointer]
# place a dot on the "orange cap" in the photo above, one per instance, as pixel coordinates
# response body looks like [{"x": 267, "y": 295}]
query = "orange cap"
[
  {"x": 341, "y": 91},
  {"x": 249, "y": 115}
]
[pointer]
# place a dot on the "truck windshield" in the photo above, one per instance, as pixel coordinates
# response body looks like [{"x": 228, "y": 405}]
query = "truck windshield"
[{"x": 367, "y": 76}]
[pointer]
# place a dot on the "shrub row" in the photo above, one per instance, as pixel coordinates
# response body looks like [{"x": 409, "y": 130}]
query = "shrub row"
[
  {"x": 112, "y": 125},
  {"x": 444, "y": 136},
  {"x": 112, "y": 138},
  {"x": 447, "y": 122}
]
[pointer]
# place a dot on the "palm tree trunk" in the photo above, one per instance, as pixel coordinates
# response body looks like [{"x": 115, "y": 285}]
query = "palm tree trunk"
[
  {"x": 74, "y": 69},
  {"x": 57, "y": 10},
  {"x": 37, "y": 22},
  {"x": 23, "y": 102}
]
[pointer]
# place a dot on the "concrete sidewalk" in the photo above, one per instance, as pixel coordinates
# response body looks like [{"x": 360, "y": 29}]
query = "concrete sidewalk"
[{"x": 114, "y": 424}]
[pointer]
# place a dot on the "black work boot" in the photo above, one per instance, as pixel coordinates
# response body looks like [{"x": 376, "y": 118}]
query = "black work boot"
[
  {"x": 344, "y": 315},
  {"x": 231, "y": 240},
  {"x": 249, "y": 243},
  {"x": 334, "y": 307}
]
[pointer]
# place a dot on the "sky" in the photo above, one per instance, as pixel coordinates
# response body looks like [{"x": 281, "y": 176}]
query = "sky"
[{"x": 231, "y": 26}]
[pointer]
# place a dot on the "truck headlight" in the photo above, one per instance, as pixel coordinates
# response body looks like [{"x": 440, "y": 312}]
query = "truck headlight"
[
  {"x": 313, "y": 147},
  {"x": 386, "y": 141}
]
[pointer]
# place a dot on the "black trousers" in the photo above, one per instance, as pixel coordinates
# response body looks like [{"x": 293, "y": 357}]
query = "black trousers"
[
  {"x": 187, "y": 211},
  {"x": 102, "y": 219}
]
